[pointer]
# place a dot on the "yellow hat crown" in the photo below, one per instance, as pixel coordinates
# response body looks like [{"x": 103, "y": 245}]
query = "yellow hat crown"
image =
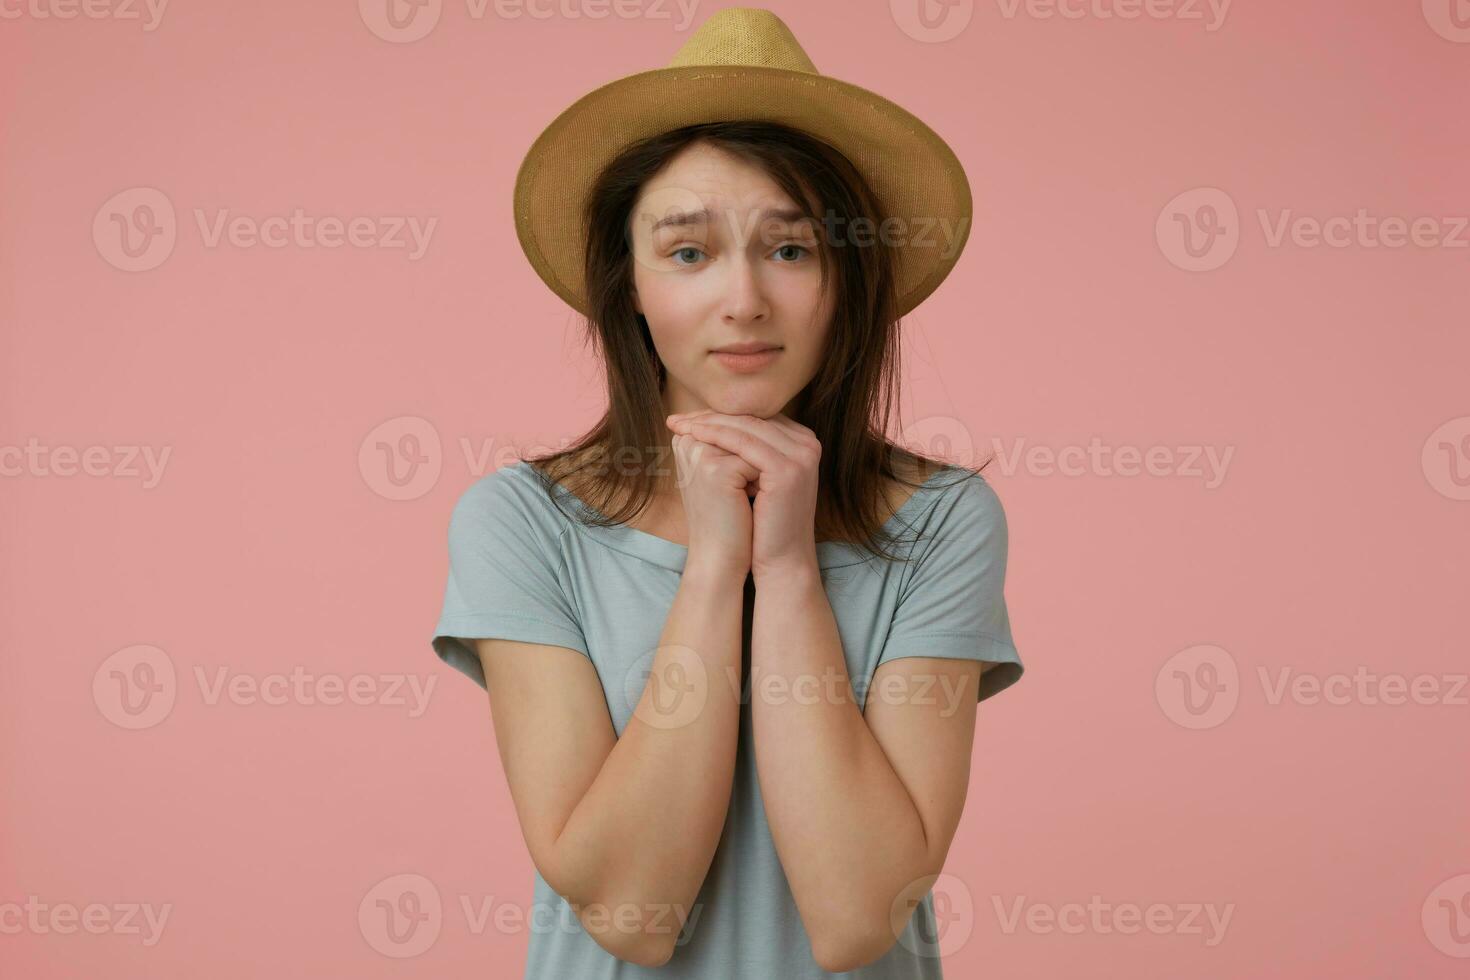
[{"x": 744, "y": 36}]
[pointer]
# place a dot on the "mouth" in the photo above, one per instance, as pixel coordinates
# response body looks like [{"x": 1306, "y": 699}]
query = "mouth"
[
  {"x": 746, "y": 347},
  {"x": 751, "y": 356}
]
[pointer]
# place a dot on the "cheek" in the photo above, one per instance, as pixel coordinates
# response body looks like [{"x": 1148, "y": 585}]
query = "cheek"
[{"x": 662, "y": 300}]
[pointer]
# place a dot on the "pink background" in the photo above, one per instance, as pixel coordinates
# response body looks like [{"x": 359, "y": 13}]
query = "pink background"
[{"x": 277, "y": 539}]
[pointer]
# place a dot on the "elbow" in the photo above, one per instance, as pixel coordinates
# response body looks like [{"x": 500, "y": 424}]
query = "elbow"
[
  {"x": 643, "y": 933},
  {"x": 855, "y": 945},
  {"x": 846, "y": 956},
  {"x": 628, "y": 931},
  {"x": 626, "y": 934},
  {"x": 640, "y": 949}
]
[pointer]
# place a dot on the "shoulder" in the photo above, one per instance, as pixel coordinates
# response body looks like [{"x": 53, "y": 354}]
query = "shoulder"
[
  {"x": 514, "y": 495},
  {"x": 963, "y": 505}
]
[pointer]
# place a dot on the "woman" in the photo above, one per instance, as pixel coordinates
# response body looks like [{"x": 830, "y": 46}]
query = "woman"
[{"x": 733, "y": 638}]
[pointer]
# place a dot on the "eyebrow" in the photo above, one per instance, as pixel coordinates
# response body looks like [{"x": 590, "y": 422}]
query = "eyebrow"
[{"x": 681, "y": 218}]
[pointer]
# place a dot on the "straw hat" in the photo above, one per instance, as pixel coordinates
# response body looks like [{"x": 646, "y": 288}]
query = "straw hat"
[{"x": 743, "y": 63}]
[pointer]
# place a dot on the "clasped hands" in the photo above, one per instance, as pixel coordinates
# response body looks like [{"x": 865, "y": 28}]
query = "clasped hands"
[{"x": 786, "y": 454}]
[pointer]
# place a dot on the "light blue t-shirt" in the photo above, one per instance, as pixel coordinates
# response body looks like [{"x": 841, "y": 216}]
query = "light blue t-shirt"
[{"x": 522, "y": 569}]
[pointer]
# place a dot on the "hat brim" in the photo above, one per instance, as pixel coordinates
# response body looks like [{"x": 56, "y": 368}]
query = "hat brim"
[{"x": 914, "y": 172}]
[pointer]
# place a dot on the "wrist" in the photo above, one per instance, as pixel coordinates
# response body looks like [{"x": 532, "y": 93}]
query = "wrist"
[
  {"x": 714, "y": 573},
  {"x": 795, "y": 574}
]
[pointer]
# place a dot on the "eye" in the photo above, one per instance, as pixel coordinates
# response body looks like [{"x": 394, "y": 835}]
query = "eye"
[
  {"x": 799, "y": 248},
  {"x": 681, "y": 251}
]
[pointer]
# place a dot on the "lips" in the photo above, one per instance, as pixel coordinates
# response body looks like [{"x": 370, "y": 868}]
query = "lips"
[
  {"x": 755, "y": 357},
  {"x": 746, "y": 347}
]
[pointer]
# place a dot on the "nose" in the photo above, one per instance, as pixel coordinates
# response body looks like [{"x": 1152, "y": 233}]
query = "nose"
[{"x": 745, "y": 299}]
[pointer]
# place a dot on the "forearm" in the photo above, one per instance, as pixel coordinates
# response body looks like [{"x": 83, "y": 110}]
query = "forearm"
[
  {"x": 849, "y": 836},
  {"x": 642, "y": 837}
]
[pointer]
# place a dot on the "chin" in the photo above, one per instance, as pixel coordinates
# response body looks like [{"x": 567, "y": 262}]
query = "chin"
[{"x": 761, "y": 404}]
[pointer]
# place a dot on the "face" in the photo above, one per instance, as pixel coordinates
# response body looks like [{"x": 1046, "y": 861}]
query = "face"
[{"x": 739, "y": 274}]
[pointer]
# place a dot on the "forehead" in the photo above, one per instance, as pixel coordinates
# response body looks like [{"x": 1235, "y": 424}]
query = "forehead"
[{"x": 702, "y": 175}]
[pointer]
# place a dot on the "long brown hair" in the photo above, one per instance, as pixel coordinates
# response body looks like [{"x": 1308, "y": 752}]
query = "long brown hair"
[{"x": 848, "y": 404}]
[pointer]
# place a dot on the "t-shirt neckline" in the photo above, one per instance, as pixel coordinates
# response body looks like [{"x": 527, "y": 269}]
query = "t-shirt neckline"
[{"x": 672, "y": 555}]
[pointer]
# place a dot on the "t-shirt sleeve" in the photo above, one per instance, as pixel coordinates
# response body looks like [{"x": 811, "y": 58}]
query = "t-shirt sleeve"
[
  {"x": 504, "y": 575},
  {"x": 953, "y": 603}
]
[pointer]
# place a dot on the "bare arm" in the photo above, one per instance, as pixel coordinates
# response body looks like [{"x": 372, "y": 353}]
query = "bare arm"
[
  {"x": 862, "y": 810},
  {"x": 625, "y": 827}
]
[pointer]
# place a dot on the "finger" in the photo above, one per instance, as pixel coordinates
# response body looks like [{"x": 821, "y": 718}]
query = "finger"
[
  {"x": 693, "y": 449},
  {"x": 758, "y": 429},
  {"x": 757, "y": 449},
  {"x": 797, "y": 431}
]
